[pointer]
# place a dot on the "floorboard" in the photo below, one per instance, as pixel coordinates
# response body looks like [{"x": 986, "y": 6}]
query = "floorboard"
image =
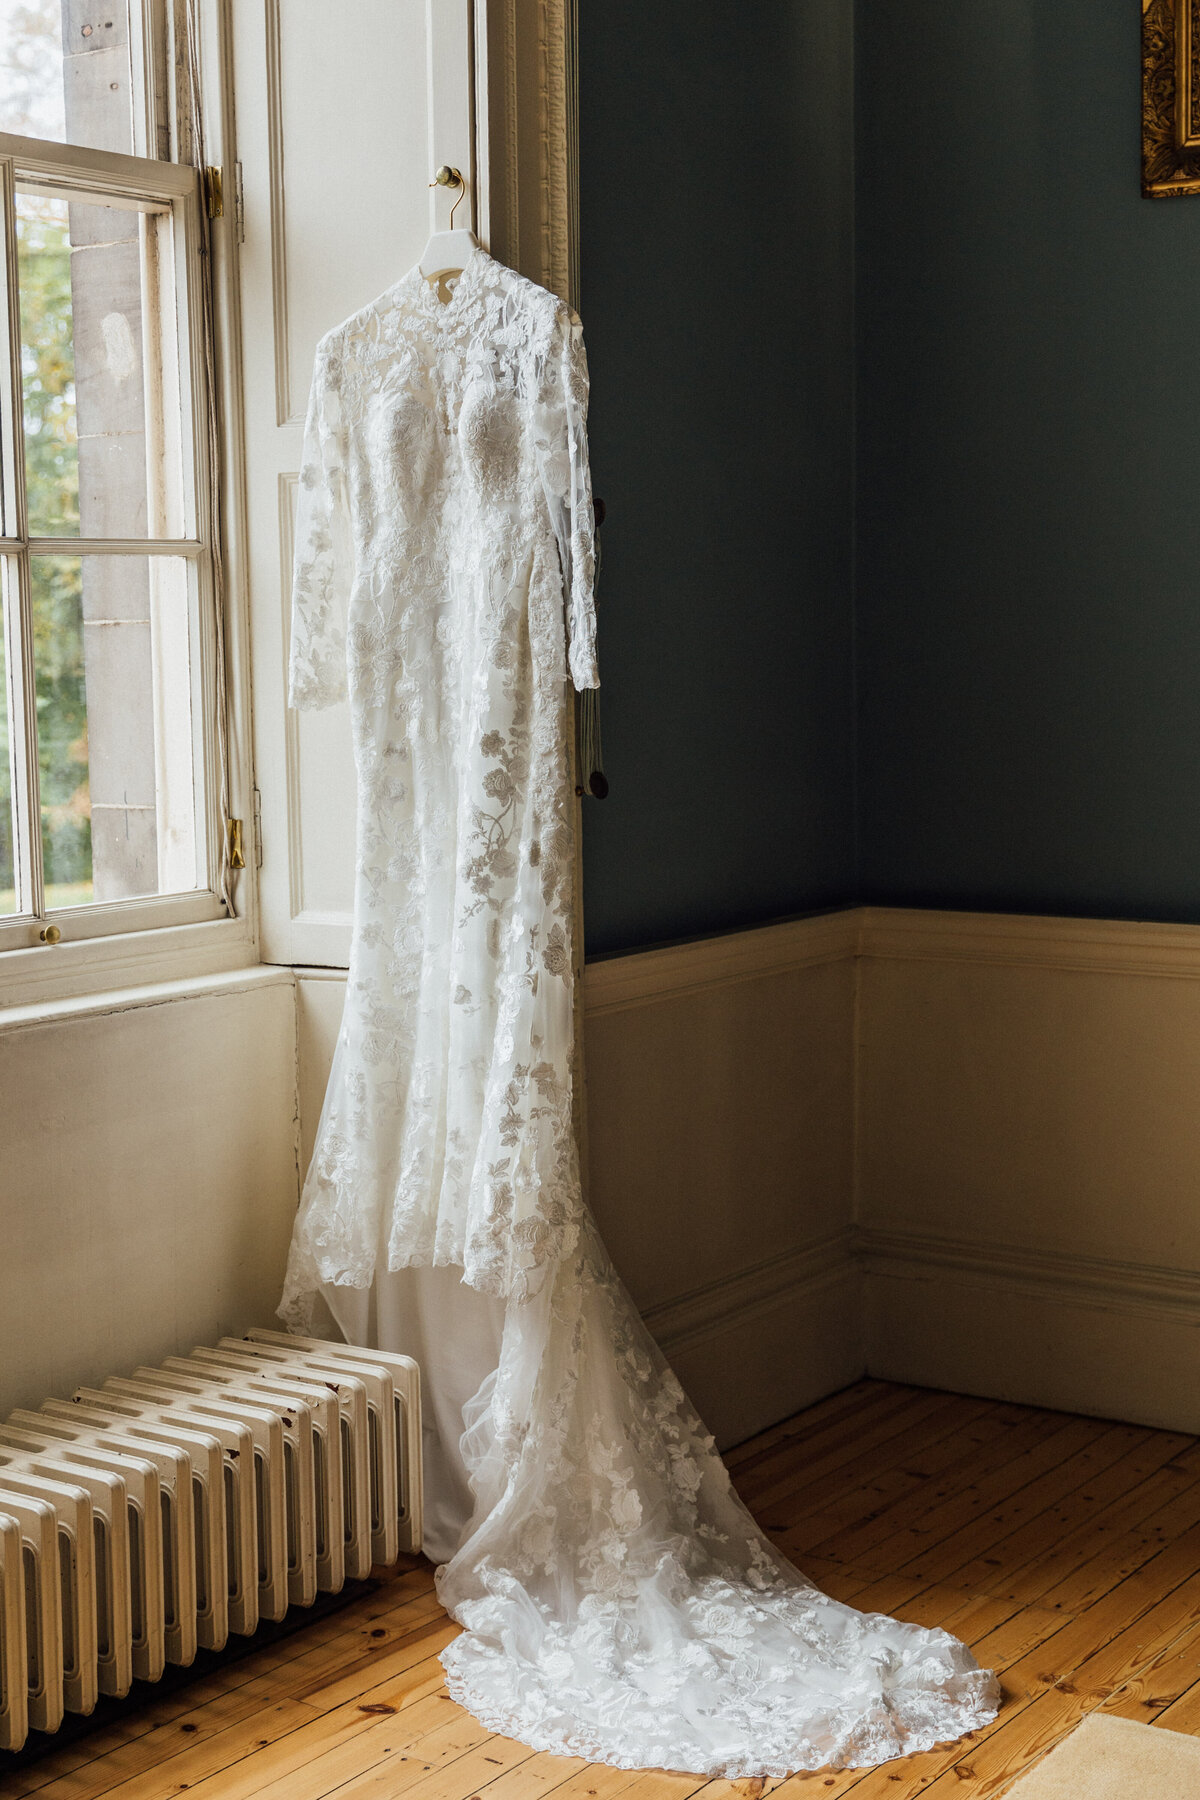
[{"x": 1064, "y": 1550}]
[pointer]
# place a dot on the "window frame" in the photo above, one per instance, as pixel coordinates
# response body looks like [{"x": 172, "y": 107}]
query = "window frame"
[
  {"x": 40, "y": 980},
  {"x": 79, "y": 173}
]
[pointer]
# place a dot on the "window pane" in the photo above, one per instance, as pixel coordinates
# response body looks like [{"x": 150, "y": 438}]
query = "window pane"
[
  {"x": 65, "y": 72},
  {"x": 8, "y": 869},
  {"x": 101, "y": 399},
  {"x": 48, "y": 366},
  {"x": 114, "y": 668}
]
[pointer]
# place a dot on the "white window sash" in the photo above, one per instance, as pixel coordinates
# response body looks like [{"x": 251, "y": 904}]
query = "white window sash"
[{"x": 74, "y": 172}]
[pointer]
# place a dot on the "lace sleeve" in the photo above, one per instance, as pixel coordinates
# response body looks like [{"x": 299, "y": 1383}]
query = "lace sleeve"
[
  {"x": 324, "y": 563},
  {"x": 562, "y": 439}
]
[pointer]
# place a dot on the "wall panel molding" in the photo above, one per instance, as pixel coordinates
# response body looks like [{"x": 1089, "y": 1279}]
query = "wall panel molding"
[
  {"x": 650, "y": 975},
  {"x": 756, "y": 1348},
  {"x": 738, "y": 1301},
  {"x": 1112, "y": 1338},
  {"x": 1112, "y": 1284},
  {"x": 1103, "y": 946}
]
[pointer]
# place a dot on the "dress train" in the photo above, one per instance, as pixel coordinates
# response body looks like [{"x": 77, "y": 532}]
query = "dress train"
[{"x": 620, "y": 1603}]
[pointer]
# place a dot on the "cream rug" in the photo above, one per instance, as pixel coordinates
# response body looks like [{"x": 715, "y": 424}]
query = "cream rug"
[{"x": 1107, "y": 1758}]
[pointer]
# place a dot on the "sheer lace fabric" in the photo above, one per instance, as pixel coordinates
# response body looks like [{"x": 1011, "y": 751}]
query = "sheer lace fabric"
[
  {"x": 618, "y": 1601},
  {"x": 443, "y": 493}
]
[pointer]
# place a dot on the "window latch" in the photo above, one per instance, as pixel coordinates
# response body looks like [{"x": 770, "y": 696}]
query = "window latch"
[
  {"x": 237, "y": 855},
  {"x": 214, "y": 193}
]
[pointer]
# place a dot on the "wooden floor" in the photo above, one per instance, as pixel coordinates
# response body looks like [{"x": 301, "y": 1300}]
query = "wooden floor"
[{"x": 1066, "y": 1551}]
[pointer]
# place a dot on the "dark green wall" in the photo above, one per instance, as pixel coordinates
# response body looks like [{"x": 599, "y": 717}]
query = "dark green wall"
[
  {"x": 1028, "y": 521},
  {"x": 716, "y": 156},
  {"x": 1014, "y": 520}
]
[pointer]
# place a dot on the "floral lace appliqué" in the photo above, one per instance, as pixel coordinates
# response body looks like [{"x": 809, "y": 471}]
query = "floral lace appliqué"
[{"x": 619, "y": 1603}]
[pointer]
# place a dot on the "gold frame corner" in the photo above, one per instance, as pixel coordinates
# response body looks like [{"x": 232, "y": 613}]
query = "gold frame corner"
[{"x": 1170, "y": 98}]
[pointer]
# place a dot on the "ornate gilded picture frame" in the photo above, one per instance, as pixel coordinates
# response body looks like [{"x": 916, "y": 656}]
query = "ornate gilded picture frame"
[{"x": 1170, "y": 97}]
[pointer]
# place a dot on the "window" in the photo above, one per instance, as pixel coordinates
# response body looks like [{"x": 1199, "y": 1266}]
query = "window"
[{"x": 109, "y": 768}]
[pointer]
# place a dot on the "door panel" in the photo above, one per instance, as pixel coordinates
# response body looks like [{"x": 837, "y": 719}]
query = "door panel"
[{"x": 340, "y": 128}]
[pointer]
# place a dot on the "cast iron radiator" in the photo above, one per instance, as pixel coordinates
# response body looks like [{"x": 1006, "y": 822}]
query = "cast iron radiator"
[{"x": 142, "y": 1520}]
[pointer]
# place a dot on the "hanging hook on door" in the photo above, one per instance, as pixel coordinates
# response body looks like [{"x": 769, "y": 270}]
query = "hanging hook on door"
[{"x": 447, "y": 177}]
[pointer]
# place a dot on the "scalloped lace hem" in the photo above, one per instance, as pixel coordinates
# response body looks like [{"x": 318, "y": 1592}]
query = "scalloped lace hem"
[{"x": 975, "y": 1709}]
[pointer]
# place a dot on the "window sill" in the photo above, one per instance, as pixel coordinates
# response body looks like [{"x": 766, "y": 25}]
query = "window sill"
[
  {"x": 50, "y": 973},
  {"x": 156, "y": 993}
]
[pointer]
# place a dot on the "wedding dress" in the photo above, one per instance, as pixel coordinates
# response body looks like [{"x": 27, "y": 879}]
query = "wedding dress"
[{"x": 618, "y": 1601}]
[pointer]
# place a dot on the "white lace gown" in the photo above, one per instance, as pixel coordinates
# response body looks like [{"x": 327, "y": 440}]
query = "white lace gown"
[{"x": 618, "y": 1602}]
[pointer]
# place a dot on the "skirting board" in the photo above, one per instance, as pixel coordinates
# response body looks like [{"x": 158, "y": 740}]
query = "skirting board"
[
  {"x": 1085, "y": 1334},
  {"x": 782, "y": 1326}
]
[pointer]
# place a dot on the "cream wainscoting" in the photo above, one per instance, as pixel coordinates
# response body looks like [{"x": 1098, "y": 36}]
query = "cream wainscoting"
[
  {"x": 948, "y": 1148},
  {"x": 720, "y": 1111},
  {"x": 147, "y": 1175},
  {"x": 1028, "y": 1160},
  {"x": 720, "y": 1093}
]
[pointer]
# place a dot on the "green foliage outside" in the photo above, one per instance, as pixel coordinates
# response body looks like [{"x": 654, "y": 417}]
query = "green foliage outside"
[{"x": 52, "y": 481}]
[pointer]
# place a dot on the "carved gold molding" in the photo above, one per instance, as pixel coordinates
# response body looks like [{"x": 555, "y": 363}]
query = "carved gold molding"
[
  {"x": 1170, "y": 97},
  {"x": 528, "y": 126}
]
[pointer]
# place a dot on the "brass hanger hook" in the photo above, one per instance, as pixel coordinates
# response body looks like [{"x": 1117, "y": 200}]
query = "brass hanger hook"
[{"x": 450, "y": 178}]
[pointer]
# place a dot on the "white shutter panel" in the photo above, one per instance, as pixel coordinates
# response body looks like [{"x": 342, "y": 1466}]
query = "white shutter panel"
[{"x": 343, "y": 115}]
